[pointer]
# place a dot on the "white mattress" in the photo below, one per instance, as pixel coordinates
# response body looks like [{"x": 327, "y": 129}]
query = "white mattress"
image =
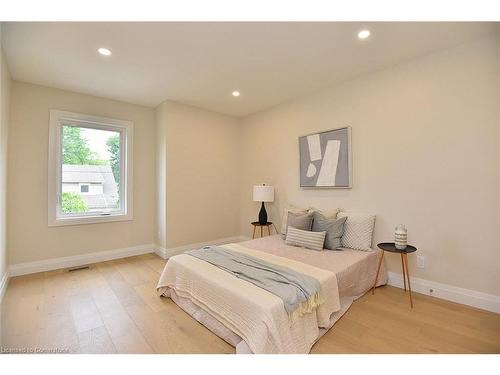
[{"x": 355, "y": 271}]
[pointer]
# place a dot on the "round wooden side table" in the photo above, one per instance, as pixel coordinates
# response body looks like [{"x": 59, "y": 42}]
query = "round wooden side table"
[
  {"x": 391, "y": 247},
  {"x": 268, "y": 225}
]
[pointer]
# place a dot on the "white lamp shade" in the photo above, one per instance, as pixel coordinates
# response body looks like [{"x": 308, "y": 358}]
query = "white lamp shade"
[{"x": 263, "y": 193}]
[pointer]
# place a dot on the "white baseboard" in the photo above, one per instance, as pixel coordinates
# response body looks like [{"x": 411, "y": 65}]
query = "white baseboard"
[
  {"x": 468, "y": 297},
  {"x": 78, "y": 260},
  {"x": 3, "y": 284},
  {"x": 171, "y": 251},
  {"x": 101, "y": 256}
]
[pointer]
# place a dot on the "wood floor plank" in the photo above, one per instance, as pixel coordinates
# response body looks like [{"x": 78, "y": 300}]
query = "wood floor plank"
[
  {"x": 132, "y": 343},
  {"x": 148, "y": 294},
  {"x": 85, "y": 314},
  {"x": 113, "y": 307},
  {"x": 96, "y": 341},
  {"x": 117, "y": 321}
]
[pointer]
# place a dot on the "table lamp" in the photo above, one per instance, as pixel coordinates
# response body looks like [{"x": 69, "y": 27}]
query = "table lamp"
[{"x": 263, "y": 193}]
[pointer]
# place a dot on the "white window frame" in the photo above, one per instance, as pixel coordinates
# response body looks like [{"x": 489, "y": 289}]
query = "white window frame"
[{"x": 126, "y": 130}]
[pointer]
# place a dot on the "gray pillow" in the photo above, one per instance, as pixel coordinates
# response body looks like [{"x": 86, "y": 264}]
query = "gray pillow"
[
  {"x": 299, "y": 221},
  {"x": 334, "y": 229}
]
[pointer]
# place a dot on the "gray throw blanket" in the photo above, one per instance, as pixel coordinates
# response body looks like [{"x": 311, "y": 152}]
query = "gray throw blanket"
[{"x": 292, "y": 287}]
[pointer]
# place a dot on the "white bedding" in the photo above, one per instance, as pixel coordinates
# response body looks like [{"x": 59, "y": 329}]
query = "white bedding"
[
  {"x": 254, "y": 314},
  {"x": 354, "y": 270}
]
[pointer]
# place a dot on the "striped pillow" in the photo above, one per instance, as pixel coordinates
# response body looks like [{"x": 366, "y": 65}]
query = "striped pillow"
[{"x": 305, "y": 238}]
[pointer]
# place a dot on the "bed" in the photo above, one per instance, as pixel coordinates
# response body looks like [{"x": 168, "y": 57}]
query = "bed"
[{"x": 252, "y": 319}]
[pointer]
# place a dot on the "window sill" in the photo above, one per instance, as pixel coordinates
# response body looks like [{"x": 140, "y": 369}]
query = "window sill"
[{"x": 89, "y": 220}]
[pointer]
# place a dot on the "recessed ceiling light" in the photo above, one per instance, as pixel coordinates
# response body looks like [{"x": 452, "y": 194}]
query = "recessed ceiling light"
[
  {"x": 236, "y": 93},
  {"x": 104, "y": 51},
  {"x": 363, "y": 34}
]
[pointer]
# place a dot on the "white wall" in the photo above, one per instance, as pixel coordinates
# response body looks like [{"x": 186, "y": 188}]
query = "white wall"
[
  {"x": 425, "y": 150},
  {"x": 5, "y": 82},
  {"x": 30, "y": 238},
  {"x": 198, "y": 175}
]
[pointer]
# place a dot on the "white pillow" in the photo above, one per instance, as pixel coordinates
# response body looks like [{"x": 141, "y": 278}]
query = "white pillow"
[
  {"x": 305, "y": 238},
  {"x": 293, "y": 210},
  {"x": 358, "y": 231}
]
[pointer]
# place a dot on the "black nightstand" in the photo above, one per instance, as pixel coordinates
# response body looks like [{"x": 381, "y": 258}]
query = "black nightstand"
[{"x": 391, "y": 247}]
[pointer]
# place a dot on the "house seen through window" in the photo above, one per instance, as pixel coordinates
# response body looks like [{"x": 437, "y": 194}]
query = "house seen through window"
[{"x": 90, "y": 170}]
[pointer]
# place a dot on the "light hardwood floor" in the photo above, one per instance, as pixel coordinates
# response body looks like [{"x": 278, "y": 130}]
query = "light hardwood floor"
[{"x": 113, "y": 308}]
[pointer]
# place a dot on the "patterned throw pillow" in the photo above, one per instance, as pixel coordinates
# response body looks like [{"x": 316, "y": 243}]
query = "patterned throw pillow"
[
  {"x": 334, "y": 229},
  {"x": 358, "y": 231},
  {"x": 304, "y": 238}
]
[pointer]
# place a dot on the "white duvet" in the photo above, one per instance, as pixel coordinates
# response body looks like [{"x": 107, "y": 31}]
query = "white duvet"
[{"x": 254, "y": 314}]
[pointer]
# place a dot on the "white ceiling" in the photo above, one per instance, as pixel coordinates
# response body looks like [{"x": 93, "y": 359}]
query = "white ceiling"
[{"x": 202, "y": 63}]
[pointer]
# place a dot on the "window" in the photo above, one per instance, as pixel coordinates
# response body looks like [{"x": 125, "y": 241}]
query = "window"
[{"x": 90, "y": 169}]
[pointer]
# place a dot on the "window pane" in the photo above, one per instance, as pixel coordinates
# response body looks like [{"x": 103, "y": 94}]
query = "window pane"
[{"x": 90, "y": 170}]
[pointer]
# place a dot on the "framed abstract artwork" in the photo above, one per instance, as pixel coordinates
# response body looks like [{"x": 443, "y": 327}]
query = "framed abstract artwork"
[{"x": 325, "y": 159}]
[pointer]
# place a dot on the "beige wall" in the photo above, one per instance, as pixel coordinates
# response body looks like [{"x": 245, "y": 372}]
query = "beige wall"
[
  {"x": 199, "y": 192},
  {"x": 425, "y": 141},
  {"x": 5, "y": 82},
  {"x": 29, "y": 237}
]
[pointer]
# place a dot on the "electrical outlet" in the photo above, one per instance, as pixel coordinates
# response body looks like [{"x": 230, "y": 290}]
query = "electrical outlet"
[{"x": 420, "y": 261}]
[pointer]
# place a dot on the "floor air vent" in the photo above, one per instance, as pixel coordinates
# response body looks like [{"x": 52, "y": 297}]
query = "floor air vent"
[{"x": 78, "y": 268}]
